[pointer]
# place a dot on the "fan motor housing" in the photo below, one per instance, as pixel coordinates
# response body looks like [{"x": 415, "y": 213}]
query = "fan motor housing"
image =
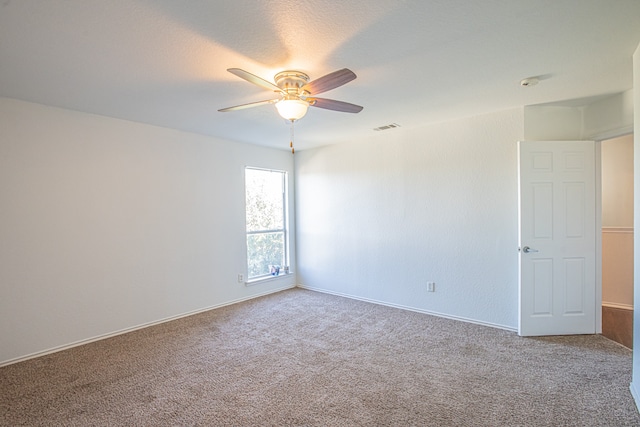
[{"x": 291, "y": 81}]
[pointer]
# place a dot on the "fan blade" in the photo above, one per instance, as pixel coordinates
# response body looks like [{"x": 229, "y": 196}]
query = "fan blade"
[
  {"x": 250, "y": 105},
  {"x": 330, "y": 81},
  {"x": 252, "y": 78},
  {"x": 332, "y": 104}
]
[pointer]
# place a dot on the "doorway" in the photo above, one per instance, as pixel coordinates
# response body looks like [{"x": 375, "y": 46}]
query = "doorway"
[{"x": 617, "y": 239}]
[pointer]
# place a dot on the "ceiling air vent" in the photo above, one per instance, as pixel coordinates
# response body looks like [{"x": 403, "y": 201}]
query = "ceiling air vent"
[{"x": 385, "y": 127}]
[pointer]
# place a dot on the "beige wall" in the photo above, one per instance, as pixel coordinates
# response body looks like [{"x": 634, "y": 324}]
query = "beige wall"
[
  {"x": 617, "y": 182},
  {"x": 617, "y": 267},
  {"x": 617, "y": 222}
]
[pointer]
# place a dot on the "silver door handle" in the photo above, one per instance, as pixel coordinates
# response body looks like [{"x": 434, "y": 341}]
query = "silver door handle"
[{"x": 528, "y": 250}]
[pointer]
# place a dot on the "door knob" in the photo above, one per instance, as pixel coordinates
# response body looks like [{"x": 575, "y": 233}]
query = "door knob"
[{"x": 528, "y": 250}]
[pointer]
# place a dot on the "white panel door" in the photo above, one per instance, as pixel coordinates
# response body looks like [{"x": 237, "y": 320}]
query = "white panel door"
[{"x": 557, "y": 207}]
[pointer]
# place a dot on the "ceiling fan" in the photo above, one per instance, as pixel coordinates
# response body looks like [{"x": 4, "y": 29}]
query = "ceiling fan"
[{"x": 297, "y": 93}]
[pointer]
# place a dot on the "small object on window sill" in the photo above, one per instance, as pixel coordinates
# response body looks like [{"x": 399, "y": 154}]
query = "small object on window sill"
[{"x": 268, "y": 278}]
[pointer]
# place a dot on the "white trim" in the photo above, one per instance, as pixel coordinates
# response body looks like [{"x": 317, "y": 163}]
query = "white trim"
[
  {"x": 135, "y": 328},
  {"x": 617, "y": 305},
  {"x": 623, "y": 230},
  {"x": 635, "y": 394},
  {"x": 269, "y": 278},
  {"x": 616, "y": 133},
  {"x": 598, "y": 236},
  {"x": 408, "y": 308},
  {"x": 286, "y": 232}
]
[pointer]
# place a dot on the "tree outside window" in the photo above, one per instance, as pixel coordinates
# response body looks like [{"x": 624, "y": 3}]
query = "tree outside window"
[{"x": 266, "y": 202}]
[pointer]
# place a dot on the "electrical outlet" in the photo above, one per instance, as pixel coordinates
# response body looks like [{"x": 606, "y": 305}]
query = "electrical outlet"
[
  {"x": 431, "y": 286},
  {"x": 240, "y": 278}
]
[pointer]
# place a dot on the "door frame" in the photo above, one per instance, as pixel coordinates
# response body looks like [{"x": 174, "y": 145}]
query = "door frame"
[
  {"x": 598, "y": 177},
  {"x": 598, "y": 138}
]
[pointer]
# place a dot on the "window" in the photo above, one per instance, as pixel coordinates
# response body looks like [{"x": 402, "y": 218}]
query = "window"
[{"x": 266, "y": 204}]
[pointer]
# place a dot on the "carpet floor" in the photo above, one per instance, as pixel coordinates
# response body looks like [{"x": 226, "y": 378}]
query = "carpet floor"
[{"x": 303, "y": 358}]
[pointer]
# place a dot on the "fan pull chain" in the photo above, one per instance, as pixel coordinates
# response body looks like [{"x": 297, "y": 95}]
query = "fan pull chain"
[{"x": 291, "y": 140}]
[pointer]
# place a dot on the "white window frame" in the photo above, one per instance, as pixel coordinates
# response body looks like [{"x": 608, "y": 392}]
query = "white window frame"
[{"x": 285, "y": 214}]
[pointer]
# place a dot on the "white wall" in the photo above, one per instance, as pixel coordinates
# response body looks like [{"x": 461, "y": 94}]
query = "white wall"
[
  {"x": 580, "y": 119},
  {"x": 379, "y": 218},
  {"x": 107, "y": 224},
  {"x": 610, "y": 114},
  {"x": 635, "y": 383},
  {"x": 552, "y": 123}
]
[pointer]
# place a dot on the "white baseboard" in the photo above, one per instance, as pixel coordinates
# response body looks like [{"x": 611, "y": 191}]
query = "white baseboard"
[
  {"x": 137, "y": 327},
  {"x": 404, "y": 307},
  {"x": 636, "y": 395}
]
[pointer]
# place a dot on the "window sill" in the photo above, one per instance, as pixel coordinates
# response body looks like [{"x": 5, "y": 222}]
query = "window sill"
[{"x": 269, "y": 278}]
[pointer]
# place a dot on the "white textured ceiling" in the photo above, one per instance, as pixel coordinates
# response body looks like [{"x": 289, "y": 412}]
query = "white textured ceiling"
[{"x": 164, "y": 62}]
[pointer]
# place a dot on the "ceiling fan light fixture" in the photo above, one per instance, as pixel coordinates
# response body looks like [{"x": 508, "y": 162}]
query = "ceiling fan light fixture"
[{"x": 292, "y": 109}]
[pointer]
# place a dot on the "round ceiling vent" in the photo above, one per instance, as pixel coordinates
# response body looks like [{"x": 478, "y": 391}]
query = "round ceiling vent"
[{"x": 531, "y": 81}]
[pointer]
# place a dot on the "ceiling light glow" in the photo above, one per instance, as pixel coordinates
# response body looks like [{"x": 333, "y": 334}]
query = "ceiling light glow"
[{"x": 292, "y": 109}]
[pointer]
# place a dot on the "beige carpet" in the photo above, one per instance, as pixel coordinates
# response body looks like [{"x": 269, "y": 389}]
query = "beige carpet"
[{"x": 301, "y": 358}]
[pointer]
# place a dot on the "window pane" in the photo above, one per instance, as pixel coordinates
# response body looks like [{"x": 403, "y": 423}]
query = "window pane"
[
  {"x": 264, "y": 200},
  {"x": 263, "y": 250}
]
